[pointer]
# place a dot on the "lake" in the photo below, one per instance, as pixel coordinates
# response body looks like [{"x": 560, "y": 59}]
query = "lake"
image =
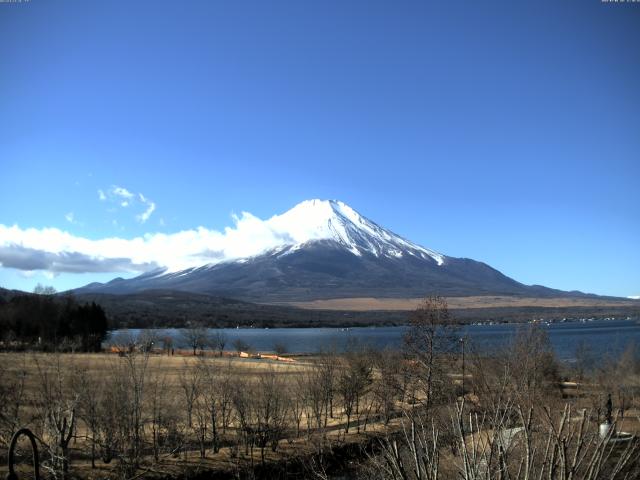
[{"x": 603, "y": 337}]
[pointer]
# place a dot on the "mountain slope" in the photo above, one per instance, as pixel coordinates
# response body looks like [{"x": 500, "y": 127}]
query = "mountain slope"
[{"x": 328, "y": 250}]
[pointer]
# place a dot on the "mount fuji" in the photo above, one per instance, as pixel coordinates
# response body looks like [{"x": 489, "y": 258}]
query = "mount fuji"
[{"x": 329, "y": 251}]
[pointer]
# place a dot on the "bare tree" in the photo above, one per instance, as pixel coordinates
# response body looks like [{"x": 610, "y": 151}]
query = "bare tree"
[
  {"x": 147, "y": 340},
  {"x": 195, "y": 336},
  {"x": 271, "y": 408},
  {"x": 159, "y": 411},
  {"x": 297, "y": 395},
  {"x": 90, "y": 389},
  {"x": 167, "y": 344},
  {"x": 44, "y": 290},
  {"x": 12, "y": 406},
  {"x": 217, "y": 396},
  {"x": 202, "y": 416},
  {"x": 57, "y": 408},
  {"x": 242, "y": 395},
  {"x": 509, "y": 442},
  {"x": 326, "y": 374},
  {"x": 546, "y": 445},
  {"x": 615, "y": 375},
  {"x": 190, "y": 385},
  {"x": 533, "y": 363},
  {"x": 315, "y": 384},
  {"x": 213, "y": 405},
  {"x": 111, "y": 416},
  {"x": 241, "y": 346},
  {"x": 387, "y": 387},
  {"x": 280, "y": 348},
  {"x": 225, "y": 377},
  {"x": 217, "y": 341},
  {"x": 355, "y": 376},
  {"x": 123, "y": 411},
  {"x": 431, "y": 334},
  {"x": 413, "y": 454}
]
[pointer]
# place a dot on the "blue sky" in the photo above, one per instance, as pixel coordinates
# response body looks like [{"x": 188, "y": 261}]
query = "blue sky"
[{"x": 507, "y": 132}]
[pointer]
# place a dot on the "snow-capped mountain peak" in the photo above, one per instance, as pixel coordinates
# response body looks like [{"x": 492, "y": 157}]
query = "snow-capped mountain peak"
[
  {"x": 320, "y": 249},
  {"x": 334, "y": 220}
]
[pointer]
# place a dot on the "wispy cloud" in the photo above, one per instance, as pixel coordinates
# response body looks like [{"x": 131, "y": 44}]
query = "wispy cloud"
[
  {"x": 121, "y": 192},
  {"x": 69, "y": 217},
  {"x": 151, "y": 206},
  {"x": 124, "y": 198}
]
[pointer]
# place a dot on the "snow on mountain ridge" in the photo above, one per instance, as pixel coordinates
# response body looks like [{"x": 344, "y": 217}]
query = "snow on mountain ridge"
[
  {"x": 283, "y": 234},
  {"x": 334, "y": 220}
]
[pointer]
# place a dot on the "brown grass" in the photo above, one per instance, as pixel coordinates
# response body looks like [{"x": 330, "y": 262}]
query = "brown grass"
[
  {"x": 368, "y": 304},
  {"x": 172, "y": 368}
]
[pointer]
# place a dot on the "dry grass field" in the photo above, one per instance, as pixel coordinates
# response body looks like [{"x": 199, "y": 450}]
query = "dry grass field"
[
  {"x": 455, "y": 303},
  {"x": 178, "y": 384}
]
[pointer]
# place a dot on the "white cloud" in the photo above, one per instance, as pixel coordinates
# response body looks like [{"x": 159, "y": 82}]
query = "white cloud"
[
  {"x": 121, "y": 192},
  {"x": 151, "y": 206},
  {"x": 55, "y": 250},
  {"x": 634, "y": 297},
  {"x": 69, "y": 217},
  {"x": 121, "y": 197},
  {"x": 144, "y": 216}
]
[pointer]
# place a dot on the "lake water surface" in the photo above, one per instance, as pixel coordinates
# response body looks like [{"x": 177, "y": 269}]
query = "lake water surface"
[{"x": 603, "y": 337}]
